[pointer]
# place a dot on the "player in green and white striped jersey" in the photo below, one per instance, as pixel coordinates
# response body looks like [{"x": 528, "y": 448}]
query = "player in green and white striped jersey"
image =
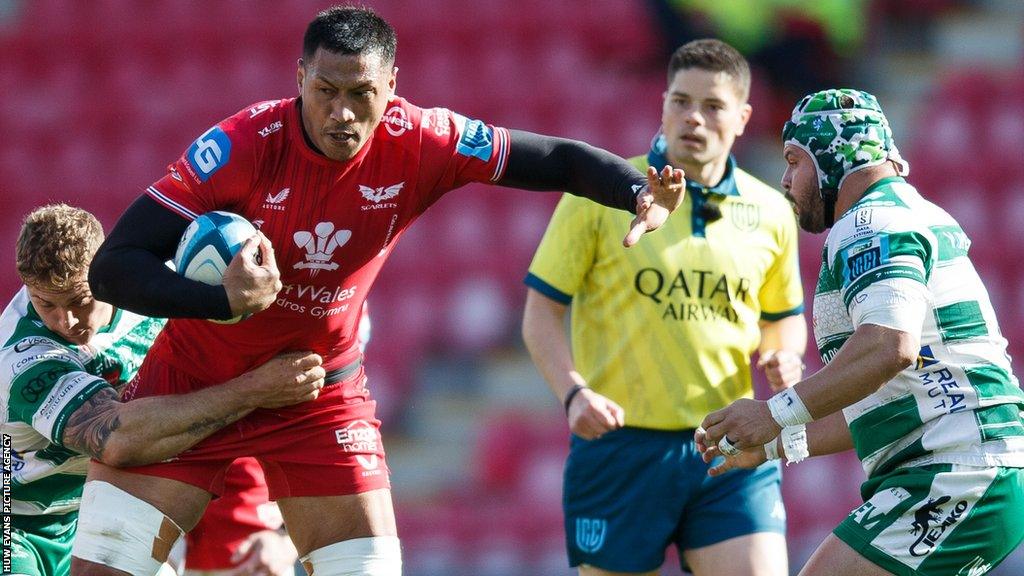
[
  {"x": 917, "y": 379},
  {"x": 64, "y": 355}
]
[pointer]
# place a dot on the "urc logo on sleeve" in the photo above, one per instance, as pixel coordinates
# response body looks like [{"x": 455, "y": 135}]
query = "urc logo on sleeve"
[
  {"x": 476, "y": 140},
  {"x": 209, "y": 153}
]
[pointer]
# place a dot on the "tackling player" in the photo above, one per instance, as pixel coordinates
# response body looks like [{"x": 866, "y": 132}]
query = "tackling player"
[
  {"x": 916, "y": 376},
  {"x": 64, "y": 357},
  {"x": 718, "y": 282},
  {"x": 334, "y": 177}
]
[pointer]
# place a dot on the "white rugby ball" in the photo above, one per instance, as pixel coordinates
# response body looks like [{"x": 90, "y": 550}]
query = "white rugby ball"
[{"x": 207, "y": 247}]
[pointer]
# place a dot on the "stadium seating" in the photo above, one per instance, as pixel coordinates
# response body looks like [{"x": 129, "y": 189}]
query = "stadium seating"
[
  {"x": 99, "y": 97},
  {"x": 966, "y": 156}
]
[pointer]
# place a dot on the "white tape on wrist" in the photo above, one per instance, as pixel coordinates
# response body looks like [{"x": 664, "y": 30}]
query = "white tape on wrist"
[
  {"x": 725, "y": 446},
  {"x": 771, "y": 449},
  {"x": 794, "y": 443},
  {"x": 788, "y": 409}
]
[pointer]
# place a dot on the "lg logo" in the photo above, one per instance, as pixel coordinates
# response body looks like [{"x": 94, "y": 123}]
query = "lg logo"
[
  {"x": 209, "y": 152},
  {"x": 207, "y": 155}
]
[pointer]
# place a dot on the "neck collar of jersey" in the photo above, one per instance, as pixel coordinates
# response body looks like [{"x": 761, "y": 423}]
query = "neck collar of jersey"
[
  {"x": 725, "y": 187},
  {"x": 301, "y": 140},
  {"x": 704, "y": 201},
  {"x": 875, "y": 186}
]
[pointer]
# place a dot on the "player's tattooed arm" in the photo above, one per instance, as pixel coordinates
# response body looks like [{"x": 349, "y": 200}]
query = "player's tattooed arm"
[
  {"x": 89, "y": 428},
  {"x": 203, "y": 428},
  {"x": 145, "y": 430},
  {"x": 154, "y": 428}
]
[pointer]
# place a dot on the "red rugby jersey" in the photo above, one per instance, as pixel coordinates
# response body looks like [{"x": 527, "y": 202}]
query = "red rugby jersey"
[{"x": 332, "y": 223}]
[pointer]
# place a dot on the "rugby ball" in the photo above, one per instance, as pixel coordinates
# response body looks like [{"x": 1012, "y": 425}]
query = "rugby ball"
[{"x": 207, "y": 247}]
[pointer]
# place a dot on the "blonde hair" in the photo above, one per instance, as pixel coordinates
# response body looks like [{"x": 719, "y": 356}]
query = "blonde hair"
[{"x": 56, "y": 246}]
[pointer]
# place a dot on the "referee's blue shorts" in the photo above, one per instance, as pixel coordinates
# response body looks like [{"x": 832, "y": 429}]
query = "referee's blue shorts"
[{"x": 634, "y": 492}]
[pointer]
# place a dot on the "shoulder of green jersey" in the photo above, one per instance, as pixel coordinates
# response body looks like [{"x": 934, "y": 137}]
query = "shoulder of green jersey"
[
  {"x": 25, "y": 353},
  {"x": 27, "y": 342}
]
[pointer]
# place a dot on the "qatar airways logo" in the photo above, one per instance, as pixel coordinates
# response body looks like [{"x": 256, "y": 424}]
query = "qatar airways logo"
[{"x": 320, "y": 245}]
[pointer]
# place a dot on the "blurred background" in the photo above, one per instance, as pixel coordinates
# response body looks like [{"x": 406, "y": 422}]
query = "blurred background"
[{"x": 98, "y": 96}]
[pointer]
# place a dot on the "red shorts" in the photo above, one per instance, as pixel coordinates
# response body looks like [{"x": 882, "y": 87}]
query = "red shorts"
[
  {"x": 328, "y": 447},
  {"x": 230, "y": 519}
]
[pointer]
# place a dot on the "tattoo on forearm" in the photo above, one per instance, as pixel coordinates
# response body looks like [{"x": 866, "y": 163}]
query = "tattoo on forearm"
[
  {"x": 208, "y": 425},
  {"x": 90, "y": 426}
]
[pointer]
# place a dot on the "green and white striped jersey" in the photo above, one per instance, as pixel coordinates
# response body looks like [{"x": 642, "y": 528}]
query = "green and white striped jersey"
[
  {"x": 43, "y": 380},
  {"x": 960, "y": 402}
]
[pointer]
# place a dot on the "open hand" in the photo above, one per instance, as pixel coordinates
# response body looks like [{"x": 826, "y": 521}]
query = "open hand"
[{"x": 662, "y": 195}]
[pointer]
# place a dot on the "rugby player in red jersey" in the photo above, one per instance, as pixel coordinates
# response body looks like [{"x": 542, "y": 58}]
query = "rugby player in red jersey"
[
  {"x": 332, "y": 178},
  {"x": 242, "y": 533}
]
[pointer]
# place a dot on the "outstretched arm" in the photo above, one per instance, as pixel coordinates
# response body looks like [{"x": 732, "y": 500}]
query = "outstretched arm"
[
  {"x": 538, "y": 162},
  {"x": 147, "y": 430}
]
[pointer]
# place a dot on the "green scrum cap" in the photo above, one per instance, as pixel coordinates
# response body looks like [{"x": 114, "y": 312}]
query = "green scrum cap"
[{"x": 843, "y": 131}]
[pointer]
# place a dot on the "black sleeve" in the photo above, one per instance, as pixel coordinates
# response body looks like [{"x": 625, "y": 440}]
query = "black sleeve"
[
  {"x": 129, "y": 272},
  {"x": 537, "y": 162}
]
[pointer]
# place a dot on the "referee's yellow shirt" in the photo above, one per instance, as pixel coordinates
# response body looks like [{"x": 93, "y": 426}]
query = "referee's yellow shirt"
[{"x": 666, "y": 328}]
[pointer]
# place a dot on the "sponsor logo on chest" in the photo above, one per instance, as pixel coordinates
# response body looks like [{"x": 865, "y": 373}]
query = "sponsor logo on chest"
[
  {"x": 378, "y": 196},
  {"x": 396, "y": 121},
  {"x": 276, "y": 201},
  {"x": 270, "y": 128},
  {"x": 319, "y": 246}
]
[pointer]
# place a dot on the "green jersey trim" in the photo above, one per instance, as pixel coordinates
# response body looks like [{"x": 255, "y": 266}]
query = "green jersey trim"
[
  {"x": 961, "y": 321},
  {"x": 57, "y": 434},
  {"x": 887, "y": 423},
  {"x": 994, "y": 385}
]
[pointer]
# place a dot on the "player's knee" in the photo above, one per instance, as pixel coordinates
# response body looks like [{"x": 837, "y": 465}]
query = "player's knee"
[
  {"x": 376, "y": 556},
  {"x": 122, "y": 532}
]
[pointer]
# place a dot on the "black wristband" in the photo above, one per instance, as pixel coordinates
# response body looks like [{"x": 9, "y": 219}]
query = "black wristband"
[{"x": 572, "y": 394}]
